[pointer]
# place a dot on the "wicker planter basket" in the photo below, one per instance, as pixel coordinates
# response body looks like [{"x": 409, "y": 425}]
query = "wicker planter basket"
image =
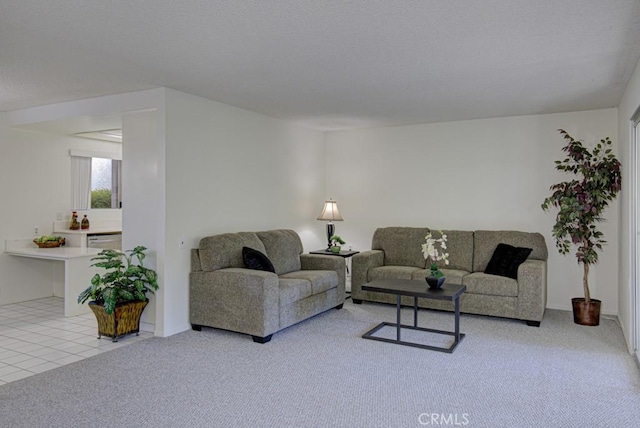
[
  {"x": 50, "y": 244},
  {"x": 124, "y": 320}
]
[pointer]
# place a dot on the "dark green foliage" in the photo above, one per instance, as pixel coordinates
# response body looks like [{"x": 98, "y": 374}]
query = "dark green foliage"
[
  {"x": 336, "y": 239},
  {"x": 435, "y": 271},
  {"x": 581, "y": 201},
  {"x": 101, "y": 198},
  {"x": 124, "y": 281}
]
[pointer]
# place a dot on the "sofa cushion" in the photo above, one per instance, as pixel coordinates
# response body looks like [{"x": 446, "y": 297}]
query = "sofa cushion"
[
  {"x": 402, "y": 246},
  {"x": 225, "y": 250},
  {"x": 485, "y": 242},
  {"x": 387, "y": 272},
  {"x": 254, "y": 259},
  {"x": 283, "y": 247},
  {"x": 293, "y": 289},
  {"x": 321, "y": 280},
  {"x": 483, "y": 283},
  {"x": 506, "y": 259}
]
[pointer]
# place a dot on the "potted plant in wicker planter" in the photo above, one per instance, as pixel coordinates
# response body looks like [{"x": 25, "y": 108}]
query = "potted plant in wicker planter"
[
  {"x": 119, "y": 296},
  {"x": 580, "y": 203}
]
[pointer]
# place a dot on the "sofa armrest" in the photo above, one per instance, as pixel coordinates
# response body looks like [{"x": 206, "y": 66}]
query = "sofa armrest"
[
  {"x": 322, "y": 262},
  {"x": 237, "y": 299},
  {"x": 360, "y": 265},
  {"x": 532, "y": 290}
]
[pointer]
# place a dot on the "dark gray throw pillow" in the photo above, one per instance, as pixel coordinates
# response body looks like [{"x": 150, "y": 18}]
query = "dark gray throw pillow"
[
  {"x": 506, "y": 259},
  {"x": 254, "y": 259}
]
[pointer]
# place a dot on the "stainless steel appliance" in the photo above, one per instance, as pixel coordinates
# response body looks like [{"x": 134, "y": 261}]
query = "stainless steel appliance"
[{"x": 105, "y": 240}]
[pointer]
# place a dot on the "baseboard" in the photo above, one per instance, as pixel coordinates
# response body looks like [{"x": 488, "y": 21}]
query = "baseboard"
[
  {"x": 569, "y": 308},
  {"x": 171, "y": 332},
  {"x": 145, "y": 326}
]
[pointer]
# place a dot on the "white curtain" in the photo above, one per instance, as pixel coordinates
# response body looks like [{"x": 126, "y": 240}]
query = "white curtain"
[{"x": 80, "y": 182}]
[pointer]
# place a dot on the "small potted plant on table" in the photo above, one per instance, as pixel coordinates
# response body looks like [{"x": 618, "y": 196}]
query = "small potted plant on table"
[
  {"x": 119, "y": 296},
  {"x": 431, "y": 252},
  {"x": 335, "y": 240}
]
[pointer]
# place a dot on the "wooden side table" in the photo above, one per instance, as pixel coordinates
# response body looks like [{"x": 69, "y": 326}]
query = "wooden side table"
[{"x": 344, "y": 254}]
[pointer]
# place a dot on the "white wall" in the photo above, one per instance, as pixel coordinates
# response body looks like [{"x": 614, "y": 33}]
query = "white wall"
[
  {"x": 230, "y": 170},
  {"x": 629, "y": 104},
  {"x": 478, "y": 174},
  {"x": 35, "y": 184},
  {"x": 143, "y": 216}
]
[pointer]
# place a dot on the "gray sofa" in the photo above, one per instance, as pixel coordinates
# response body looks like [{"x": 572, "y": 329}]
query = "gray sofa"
[
  {"x": 396, "y": 253},
  {"x": 226, "y": 295}
]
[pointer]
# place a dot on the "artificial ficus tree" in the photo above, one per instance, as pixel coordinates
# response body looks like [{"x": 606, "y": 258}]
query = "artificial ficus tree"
[{"x": 582, "y": 200}]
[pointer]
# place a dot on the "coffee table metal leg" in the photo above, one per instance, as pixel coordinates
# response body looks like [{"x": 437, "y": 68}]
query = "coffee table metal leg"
[
  {"x": 457, "y": 308},
  {"x": 398, "y": 318},
  {"x": 415, "y": 311}
]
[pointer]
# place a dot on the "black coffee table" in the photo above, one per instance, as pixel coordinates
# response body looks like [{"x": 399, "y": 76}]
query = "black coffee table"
[{"x": 415, "y": 289}]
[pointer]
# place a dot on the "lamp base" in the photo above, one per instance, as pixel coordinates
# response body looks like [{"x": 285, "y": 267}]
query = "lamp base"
[{"x": 330, "y": 232}]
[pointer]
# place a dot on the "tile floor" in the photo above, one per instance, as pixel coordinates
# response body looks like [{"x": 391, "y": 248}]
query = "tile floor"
[{"x": 35, "y": 337}]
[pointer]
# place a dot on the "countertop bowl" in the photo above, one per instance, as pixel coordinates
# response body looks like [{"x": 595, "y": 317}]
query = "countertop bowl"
[{"x": 50, "y": 244}]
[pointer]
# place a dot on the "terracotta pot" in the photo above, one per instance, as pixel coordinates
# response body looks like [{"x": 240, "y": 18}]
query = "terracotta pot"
[{"x": 586, "y": 313}]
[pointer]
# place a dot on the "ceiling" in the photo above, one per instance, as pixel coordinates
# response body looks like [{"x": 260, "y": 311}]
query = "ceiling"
[{"x": 327, "y": 64}]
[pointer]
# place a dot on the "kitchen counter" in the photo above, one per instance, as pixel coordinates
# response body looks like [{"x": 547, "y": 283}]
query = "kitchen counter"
[
  {"x": 91, "y": 231},
  {"x": 59, "y": 253},
  {"x": 94, "y": 228},
  {"x": 75, "y": 262}
]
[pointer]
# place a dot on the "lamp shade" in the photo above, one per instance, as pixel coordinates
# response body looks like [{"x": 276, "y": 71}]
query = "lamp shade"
[{"x": 330, "y": 211}]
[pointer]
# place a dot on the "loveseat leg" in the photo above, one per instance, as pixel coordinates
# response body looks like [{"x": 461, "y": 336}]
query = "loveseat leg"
[
  {"x": 340, "y": 306},
  {"x": 533, "y": 323},
  {"x": 259, "y": 339},
  {"x": 357, "y": 301},
  {"x": 196, "y": 327}
]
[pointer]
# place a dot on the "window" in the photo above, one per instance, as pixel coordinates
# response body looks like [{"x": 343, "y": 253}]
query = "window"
[
  {"x": 105, "y": 183},
  {"x": 96, "y": 181}
]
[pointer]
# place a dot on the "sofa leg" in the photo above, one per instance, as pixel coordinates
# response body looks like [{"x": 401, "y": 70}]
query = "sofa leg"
[
  {"x": 356, "y": 301},
  {"x": 196, "y": 327},
  {"x": 259, "y": 339},
  {"x": 340, "y": 306},
  {"x": 533, "y": 323}
]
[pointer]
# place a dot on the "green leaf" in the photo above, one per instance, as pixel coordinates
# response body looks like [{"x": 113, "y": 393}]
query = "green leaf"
[
  {"x": 110, "y": 296},
  {"x": 125, "y": 295}
]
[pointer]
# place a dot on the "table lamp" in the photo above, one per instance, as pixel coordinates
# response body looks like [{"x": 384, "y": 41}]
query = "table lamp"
[{"x": 330, "y": 214}]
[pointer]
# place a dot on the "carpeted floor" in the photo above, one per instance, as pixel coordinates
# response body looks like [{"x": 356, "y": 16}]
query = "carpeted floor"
[{"x": 321, "y": 373}]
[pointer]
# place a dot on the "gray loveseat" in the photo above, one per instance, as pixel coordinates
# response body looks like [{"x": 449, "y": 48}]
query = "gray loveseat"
[
  {"x": 226, "y": 295},
  {"x": 396, "y": 253}
]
